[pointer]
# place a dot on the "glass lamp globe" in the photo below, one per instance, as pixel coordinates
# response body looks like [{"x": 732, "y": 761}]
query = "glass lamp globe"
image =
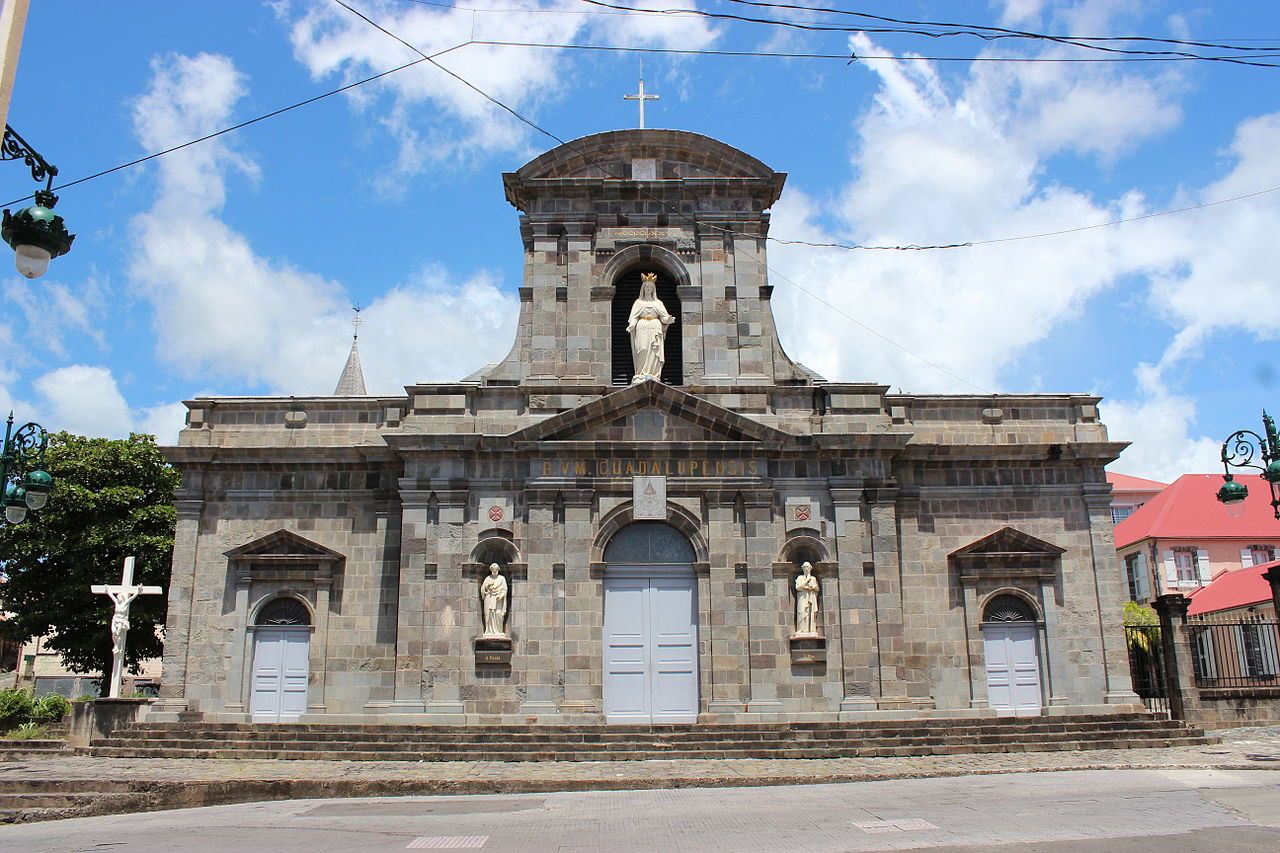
[
  {"x": 1235, "y": 510},
  {"x": 31, "y": 261},
  {"x": 36, "y": 500},
  {"x": 15, "y": 503}
]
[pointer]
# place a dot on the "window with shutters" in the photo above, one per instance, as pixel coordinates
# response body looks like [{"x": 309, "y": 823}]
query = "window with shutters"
[
  {"x": 1259, "y": 554},
  {"x": 1188, "y": 570},
  {"x": 1136, "y": 573}
]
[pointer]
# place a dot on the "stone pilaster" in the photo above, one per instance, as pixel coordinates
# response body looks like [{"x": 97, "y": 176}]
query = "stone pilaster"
[
  {"x": 446, "y": 651},
  {"x": 767, "y": 635},
  {"x": 417, "y": 542},
  {"x": 855, "y": 599},
  {"x": 177, "y": 626},
  {"x": 892, "y": 676},
  {"x": 541, "y": 648},
  {"x": 583, "y": 591},
  {"x": 1109, "y": 585},
  {"x": 727, "y": 626}
]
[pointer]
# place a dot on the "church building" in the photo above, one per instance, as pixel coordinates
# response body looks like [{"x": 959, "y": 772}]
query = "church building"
[{"x": 647, "y": 512}]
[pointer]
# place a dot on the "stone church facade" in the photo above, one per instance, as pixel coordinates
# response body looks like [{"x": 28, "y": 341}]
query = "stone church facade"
[{"x": 330, "y": 551}]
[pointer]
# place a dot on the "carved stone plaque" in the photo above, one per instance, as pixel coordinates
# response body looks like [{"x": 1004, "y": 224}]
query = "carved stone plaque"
[{"x": 649, "y": 497}]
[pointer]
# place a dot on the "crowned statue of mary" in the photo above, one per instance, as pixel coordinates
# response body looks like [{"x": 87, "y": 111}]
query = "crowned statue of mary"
[{"x": 647, "y": 324}]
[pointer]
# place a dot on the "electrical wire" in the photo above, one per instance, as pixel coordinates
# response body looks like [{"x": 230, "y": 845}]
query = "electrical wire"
[
  {"x": 829, "y": 28},
  {"x": 848, "y": 58},
  {"x": 1003, "y": 32},
  {"x": 243, "y": 124}
]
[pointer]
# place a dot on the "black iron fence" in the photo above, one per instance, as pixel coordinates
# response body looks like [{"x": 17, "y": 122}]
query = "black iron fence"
[
  {"x": 1242, "y": 652},
  {"x": 1146, "y": 665}
]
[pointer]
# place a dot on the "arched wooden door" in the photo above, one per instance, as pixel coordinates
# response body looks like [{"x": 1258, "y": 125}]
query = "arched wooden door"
[
  {"x": 281, "y": 662},
  {"x": 650, "y": 644}
]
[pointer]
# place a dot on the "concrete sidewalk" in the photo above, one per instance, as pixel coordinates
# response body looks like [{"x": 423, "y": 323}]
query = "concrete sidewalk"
[{"x": 146, "y": 784}]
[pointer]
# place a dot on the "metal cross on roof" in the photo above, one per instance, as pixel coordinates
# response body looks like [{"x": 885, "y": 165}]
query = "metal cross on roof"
[
  {"x": 641, "y": 97},
  {"x": 355, "y": 322}
]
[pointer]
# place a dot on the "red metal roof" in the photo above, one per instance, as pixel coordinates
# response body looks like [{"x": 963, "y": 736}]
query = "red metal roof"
[
  {"x": 1126, "y": 483},
  {"x": 1189, "y": 509},
  {"x": 1229, "y": 590}
]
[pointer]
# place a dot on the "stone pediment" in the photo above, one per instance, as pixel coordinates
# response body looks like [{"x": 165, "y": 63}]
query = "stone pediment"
[
  {"x": 650, "y": 411},
  {"x": 281, "y": 547},
  {"x": 1007, "y": 553}
]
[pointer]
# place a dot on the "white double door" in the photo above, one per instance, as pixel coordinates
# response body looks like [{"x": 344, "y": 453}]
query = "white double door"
[
  {"x": 281, "y": 668},
  {"x": 650, "y": 645},
  {"x": 1013, "y": 669}
]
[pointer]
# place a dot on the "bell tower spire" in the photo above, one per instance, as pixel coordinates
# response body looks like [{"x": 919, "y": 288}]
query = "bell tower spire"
[{"x": 351, "y": 383}]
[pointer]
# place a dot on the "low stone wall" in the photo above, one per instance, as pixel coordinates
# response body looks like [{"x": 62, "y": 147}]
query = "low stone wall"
[
  {"x": 99, "y": 717},
  {"x": 1222, "y": 708}
]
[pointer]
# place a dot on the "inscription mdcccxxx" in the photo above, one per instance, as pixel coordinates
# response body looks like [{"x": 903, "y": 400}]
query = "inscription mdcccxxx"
[{"x": 648, "y": 468}]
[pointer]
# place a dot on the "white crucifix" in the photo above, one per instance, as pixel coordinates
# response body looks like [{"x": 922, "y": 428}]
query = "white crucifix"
[
  {"x": 641, "y": 97},
  {"x": 121, "y": 596}
]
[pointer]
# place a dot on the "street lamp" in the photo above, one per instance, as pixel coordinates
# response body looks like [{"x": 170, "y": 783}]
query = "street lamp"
[
  {"x": 1238, "y": 451},
  {"x": 26, "y": 485},
  {"x": 36, "y": 233}
]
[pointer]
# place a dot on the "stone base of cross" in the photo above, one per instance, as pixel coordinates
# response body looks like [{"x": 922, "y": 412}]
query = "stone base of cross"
[{"x": 121, "y": 595}]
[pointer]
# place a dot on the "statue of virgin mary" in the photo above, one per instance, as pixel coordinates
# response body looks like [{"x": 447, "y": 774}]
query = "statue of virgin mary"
[{"x": 647, "y": 324}]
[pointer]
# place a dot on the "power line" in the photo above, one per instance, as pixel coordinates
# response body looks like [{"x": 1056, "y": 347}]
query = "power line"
[
  {"x": 831, "y": 28},
  {"x": 978, "y": 30},
  {"x": 845, "y": 57},
  {"x": 243, "y": 124},
  {"x": 672, "y": 208}
]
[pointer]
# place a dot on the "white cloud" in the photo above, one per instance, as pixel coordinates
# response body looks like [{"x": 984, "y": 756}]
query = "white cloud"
[
  {"x": 1160, "y": 426},
  {"x": 83, "y": 399},
  {"x": 86, "y": 400},
  {"x": 935, "y": 167},
  {"x": 224, "y": 312},
  {"x": 330, "y": 41}
]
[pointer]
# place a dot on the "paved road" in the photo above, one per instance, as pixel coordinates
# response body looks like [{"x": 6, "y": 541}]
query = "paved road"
[{"x": 1084, "y": 811}]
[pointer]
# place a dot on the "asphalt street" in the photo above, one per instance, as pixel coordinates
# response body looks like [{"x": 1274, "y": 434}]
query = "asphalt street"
[{"x": 1084, "y": 811}]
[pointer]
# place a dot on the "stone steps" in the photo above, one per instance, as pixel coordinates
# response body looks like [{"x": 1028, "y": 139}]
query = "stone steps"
[
  {"x": 18, "y": 750},
  {"x": 611, "y": 733},
  {"x": 644, "y": 755},
  {"x": 633, "y": 743}
]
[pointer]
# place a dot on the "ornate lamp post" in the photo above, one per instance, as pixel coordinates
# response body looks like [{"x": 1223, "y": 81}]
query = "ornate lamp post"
[
  {"x": 1238, "y": 451},
  {"x": 36, "y": 233},
  {"x": 26, "y": 486}
]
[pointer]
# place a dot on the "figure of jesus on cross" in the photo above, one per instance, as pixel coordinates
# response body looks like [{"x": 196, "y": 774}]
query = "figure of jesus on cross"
[{"x": 121, "y": 596}]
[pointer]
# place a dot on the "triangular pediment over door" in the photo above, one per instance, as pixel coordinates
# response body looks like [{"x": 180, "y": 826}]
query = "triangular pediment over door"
[
  {"x": 285, "y": 555},
  {"x": 650, "y": 411},
  {"x": 1007, "y": 553}
]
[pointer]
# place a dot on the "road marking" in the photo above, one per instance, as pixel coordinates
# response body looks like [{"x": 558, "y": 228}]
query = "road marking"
[
  {"x": 908, "y": 824},
  {"x": 447, "y": 842}
]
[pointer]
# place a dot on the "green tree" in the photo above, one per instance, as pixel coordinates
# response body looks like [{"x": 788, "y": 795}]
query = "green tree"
[{"x": 112, "y": 498}]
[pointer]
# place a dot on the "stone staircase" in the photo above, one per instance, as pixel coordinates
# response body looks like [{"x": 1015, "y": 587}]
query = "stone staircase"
[{"x": 878, "y": 738}]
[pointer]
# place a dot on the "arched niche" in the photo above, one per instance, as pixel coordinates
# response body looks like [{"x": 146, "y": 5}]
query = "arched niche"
[{"x": 623, "y": 273}]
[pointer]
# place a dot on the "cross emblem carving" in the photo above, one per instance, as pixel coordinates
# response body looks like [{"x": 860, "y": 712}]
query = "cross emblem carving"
[{"x": 495, "y": 513}]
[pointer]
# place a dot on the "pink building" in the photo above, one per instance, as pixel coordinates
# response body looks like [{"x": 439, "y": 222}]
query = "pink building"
[
  {"x": 1129, "y": 493},
  {"x": 1182, "y": 538}
]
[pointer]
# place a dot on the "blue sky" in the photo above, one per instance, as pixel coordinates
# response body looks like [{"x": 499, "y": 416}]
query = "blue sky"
[{"x": 230, "y": 267}]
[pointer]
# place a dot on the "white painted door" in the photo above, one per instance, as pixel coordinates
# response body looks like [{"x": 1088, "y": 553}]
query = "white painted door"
[
  {"x": 281, "y": 667},
  {"x": 650, "y": 647},
  {"x": 1013, "y": 669}
]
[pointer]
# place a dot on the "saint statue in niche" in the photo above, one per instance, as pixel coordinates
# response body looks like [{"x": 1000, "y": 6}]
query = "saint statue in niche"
[
  {"x": 807, "y": 588},
  {"x": 647, "y": 324},
  {"x": 493, "y": 593}
]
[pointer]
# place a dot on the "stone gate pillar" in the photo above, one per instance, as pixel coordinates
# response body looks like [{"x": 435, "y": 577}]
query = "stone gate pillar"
[{"x": 1179, "y": 671}]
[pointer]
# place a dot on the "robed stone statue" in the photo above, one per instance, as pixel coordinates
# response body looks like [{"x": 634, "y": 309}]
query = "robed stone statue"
[
  {"x": 647, "y": 324},
  {"x": 493, "y": 594},
  {"x": 807, "y": 588}
]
